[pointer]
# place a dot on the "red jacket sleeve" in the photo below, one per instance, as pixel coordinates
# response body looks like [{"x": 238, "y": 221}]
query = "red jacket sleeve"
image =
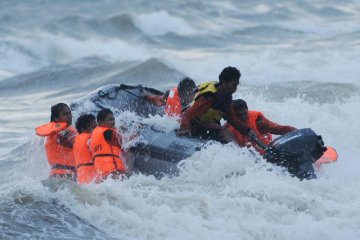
[
  {"x": 236, "y": 136},
  {"x": 156, "y": 100},
  {"x": 199, "y": 107},
  {"x": 266, "y": 126},
  {"x": 236, "y": 123}
]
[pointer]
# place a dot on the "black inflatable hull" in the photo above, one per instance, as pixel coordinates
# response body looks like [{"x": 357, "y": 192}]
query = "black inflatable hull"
[
  {"x": 119, "y": 98},
  {"x": 161, "y": 152}
]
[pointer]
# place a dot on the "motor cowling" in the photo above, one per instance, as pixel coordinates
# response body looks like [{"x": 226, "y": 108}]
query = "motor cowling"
[{"x": 297, "y": 151}]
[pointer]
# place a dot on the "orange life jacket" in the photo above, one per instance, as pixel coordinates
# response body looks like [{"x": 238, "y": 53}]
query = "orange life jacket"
[
  {"x": 60, "y": 158},
  {"x": 50, "y": 128},
  {"x": 106, "y": 158},
  {"x": 85, "y": 171},
  {"x": 173, "y": 104},
  {"x": 251, "y": 122}
]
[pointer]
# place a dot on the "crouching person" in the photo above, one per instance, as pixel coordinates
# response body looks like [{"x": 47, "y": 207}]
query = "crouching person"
[
  {"x": 85, "y": 171},
  {"x": 105, "y": 147},
  {"x": 262, "y": 127}
]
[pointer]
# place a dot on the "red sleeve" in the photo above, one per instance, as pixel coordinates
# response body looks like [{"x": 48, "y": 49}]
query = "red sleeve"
[
  {"x": 266, "y": 126},
  {"x": 236, "y": 136},
  {"x": 236, "y": 123},
  {"x": 157, "y": 100},
  {"x": 199, "y": 107}
]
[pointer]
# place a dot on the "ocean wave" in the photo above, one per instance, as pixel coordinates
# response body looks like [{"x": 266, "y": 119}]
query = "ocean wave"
[
  {"x": 120, "y": 26},
  {"x": 16, "y": 58},
  {"x": 299, "y": 64},
  {"x": 91, "y": 73},
  {"x": 221, "y": 185},
  {"x": 331, "y": 12},
  {"x": 269, "y": 32},
  {"x": 131, "y": 27},
  {"x": 30, "y": 216},
  {"x": 159, "y": 23},
  {"x": 311, "y": 91},
  {"x": 214, "y": 191}
]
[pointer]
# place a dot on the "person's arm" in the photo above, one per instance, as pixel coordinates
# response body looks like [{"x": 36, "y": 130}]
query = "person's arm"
[
  {"x": 266, "y": 126},
  {"x": 66, "y": 138},
  {"x": 236, "y": 123},
  {"x": 199, "y": 107},
  {"x": 158, "y": 100},
  {"x": 113, "y": 138},
  {"x": 235, "y": 135}
]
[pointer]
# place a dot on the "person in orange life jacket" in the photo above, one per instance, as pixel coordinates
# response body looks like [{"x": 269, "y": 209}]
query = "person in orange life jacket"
[
  {"x": 60, "y": 137},
  {"x": 85, "y": 171},
  {"x": 176, "y": 99},
  {"x": 105, "y": 147},
  {"x": 262, "y": 127},
  {"x": 213, "y": 101}
]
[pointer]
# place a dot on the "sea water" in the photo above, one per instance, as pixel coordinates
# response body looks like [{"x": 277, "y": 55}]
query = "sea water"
[{"x": 299, "y": 62}]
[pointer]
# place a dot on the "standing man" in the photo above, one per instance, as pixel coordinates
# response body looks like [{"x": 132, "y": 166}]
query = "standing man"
[
  {"x": 59, "y": 140},
  {"x": 105, "y": 147},
  {"x": 85, "y": 171}
]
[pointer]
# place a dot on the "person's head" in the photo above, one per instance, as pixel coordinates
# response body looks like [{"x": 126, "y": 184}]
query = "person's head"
[
  {"x": 229, "y": 79},
  {"x": 61, "y": 113},
  {"x": 241, "y": 109},
  {"x": 186, "y": 90},
  {"x": 85, "y": 123},
  {"x": 105, "y": 118}
]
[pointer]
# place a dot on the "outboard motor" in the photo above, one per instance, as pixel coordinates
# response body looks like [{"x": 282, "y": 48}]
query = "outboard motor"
[{"x": 296, "y": 151}]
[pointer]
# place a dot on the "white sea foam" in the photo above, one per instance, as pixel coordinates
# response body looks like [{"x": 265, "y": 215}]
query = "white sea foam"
[
  {"x": 161, "y": 22},
  {"x": 223, "y": 192}
]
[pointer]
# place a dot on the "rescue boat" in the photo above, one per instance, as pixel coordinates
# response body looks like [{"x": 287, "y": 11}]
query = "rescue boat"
[{"x": 161, "y": 152}]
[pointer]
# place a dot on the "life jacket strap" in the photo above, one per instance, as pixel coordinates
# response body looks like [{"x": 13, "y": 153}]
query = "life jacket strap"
[
  {"x": 65, "y": 167},
  {"x": 84, "y": 164},
  {"x": 105, "y": 155},
  {"x": 108, "y": 155},
  {"x": 65, "y": 176}
]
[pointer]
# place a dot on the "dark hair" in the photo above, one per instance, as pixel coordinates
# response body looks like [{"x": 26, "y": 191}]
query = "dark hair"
[
  {"x": 228, "y": 74},
  {"x": 186, "y": 83},
  {"x": 102, "y": 114},
  {"x": 83, "y": 122},
  {"x": 56, "y": 109},
  {"x": 239, "y": 104}
]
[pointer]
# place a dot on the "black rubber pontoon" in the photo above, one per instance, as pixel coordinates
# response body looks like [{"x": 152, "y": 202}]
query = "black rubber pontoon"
[
  {"x": 160, "y": 155},
  {"x": 119, "y": 98}
]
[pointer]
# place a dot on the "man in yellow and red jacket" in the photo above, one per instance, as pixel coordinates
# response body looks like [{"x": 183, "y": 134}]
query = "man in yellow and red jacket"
[{"x": 213, "y": 102}]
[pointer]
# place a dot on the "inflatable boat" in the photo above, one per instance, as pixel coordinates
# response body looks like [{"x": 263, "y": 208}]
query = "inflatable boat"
[{"x": 161, "y": 151}]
